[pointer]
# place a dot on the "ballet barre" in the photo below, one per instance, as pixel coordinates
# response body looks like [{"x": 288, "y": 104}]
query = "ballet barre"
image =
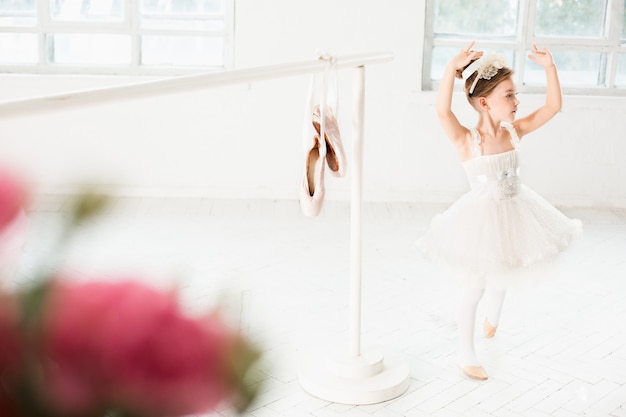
[{"x": 354, "y": 377}]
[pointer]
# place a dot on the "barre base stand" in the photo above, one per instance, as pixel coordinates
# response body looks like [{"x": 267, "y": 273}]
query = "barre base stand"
[{"x": 358, "y": 380}]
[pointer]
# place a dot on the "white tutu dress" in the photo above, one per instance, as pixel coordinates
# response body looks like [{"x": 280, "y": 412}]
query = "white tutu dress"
[{"x": 500, "y": 227}]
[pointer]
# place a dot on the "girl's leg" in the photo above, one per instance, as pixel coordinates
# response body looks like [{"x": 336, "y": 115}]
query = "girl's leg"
[
  {"x": 466, "y": 321},
  {"x": 494, "y": 299}
]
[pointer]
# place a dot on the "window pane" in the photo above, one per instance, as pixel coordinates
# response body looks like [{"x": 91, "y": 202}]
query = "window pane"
[
  {"x": 182, "y": 50},
  {"x": 95, "y": 49},
  {"x": 440, "y": 58},
  {"x": 18, "y": 13},
  {"x": 620, "y": 78},
  {"x": 18, "y": 48},
  {"x": 480, "y": 17},
  {"x": 442, "y": 55},
  {"x": 624, "y": 26},
  {"x": 580, "y": 18},
  {"x": 91, "y": 10},
  {"x": 182, "y": 14},
  {"x": 181, "y": 23},
  {"x": 576, "y": 69},
  {"x": 182, "y": 6},
  {"x": 9, "y": 6}
]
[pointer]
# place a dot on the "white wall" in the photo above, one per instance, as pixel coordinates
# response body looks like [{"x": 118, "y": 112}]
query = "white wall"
[{"x": 244, "y": 141}]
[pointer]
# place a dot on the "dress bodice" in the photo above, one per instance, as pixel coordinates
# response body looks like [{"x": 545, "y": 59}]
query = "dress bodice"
[{"x": 496, "y": 174}]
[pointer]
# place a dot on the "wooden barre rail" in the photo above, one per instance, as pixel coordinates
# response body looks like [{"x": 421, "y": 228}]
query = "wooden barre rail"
[{"x": 192, "y": 82}]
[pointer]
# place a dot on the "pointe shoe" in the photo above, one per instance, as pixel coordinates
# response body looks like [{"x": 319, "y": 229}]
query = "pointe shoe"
[
  {"x": 335, "y": 155},
  {"x": 489, "y": 330},
  {"x": 475, "y": 372},
  {"x": 312, "y": 190}
]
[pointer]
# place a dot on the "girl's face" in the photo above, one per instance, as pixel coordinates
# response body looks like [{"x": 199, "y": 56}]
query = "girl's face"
[{"x": 503, "y": 101}]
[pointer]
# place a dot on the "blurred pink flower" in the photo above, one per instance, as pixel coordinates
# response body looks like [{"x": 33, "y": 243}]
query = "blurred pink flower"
[
  {"x": 12, "y": 198},
  {"x": 91, "y": 348},
  {"x": 122, "y": 344}
]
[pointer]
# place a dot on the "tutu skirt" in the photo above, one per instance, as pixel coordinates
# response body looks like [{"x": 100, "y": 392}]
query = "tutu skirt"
[{"x": 498, "y": 239}]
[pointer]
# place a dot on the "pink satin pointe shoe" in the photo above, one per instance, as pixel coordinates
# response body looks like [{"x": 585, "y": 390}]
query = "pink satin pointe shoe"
[
  {"x": 335, "y": 156},
  {"x": 489, "y": 330},
  {"x": 312, "y": 190},
  {"x": 475, "y": 372}
]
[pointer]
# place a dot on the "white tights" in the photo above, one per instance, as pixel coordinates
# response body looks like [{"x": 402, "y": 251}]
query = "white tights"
[{"x": 494, "y": 298}]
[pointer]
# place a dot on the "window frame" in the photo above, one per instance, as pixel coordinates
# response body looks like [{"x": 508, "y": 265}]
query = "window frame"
[
  {"x": 609, "y": 45},
  {"x": 129, "y": 25}
]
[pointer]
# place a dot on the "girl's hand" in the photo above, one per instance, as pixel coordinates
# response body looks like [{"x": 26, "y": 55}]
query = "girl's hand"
[
  {"x": 464, "y": 57},
  {"x": 543, "y": 57}
]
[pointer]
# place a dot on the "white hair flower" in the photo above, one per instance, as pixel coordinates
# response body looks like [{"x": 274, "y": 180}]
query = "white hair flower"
[{"x": 485, "y": 68}]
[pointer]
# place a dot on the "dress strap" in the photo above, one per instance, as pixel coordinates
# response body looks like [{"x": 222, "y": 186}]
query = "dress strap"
[
  {"x": 476, "y": 149},
  {"x": 515, "y": 140}
]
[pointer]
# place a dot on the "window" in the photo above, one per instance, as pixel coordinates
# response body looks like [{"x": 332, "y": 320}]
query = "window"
[
  {"x": 115, "y": 36},
  {"x": 586, "y": 37}
]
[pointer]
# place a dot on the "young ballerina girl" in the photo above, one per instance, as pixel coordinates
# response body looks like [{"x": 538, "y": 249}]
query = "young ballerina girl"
[{"x": 501, "y": 227}]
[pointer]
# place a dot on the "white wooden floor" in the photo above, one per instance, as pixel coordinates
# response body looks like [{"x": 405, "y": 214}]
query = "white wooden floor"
[{"x": 560, "y": 349}]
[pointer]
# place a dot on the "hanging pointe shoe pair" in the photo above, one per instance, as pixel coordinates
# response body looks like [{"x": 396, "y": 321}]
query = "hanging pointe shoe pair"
[
  {"x": 335, "y": 156},
  {"x": 321, "y": 153},
  {"x": 322, "y": 141}
]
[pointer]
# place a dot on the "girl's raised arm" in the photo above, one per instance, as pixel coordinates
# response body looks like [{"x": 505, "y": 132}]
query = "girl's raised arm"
[
  {"x": 451, "y": 126},
  {"x": 553, "y": 102}
]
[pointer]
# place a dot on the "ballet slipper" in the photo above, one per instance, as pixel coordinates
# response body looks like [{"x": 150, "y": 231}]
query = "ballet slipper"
[
  {"x": 475, "y": 372},
  {"x": 312, "y": 190},
  {"x": 335, "y": 155},
  {"x": 489, "y": 330}
]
